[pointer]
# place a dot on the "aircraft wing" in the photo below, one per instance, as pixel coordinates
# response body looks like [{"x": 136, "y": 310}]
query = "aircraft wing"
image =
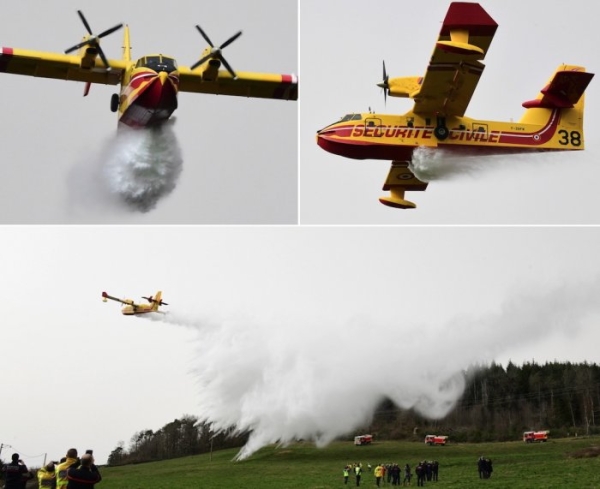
[
  {"x": 247, "y": 84},
  {"x": 126, "y": 302},
  {"x": 455, "y": 66},
  {"x": 59, "y": 66}
]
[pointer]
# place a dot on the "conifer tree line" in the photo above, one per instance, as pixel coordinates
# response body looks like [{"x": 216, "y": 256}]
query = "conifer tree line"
[{"x": 498, "y": 404}]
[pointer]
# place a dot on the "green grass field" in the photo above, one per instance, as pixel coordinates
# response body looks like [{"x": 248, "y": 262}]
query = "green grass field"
[{"x": 517, "y": 465}]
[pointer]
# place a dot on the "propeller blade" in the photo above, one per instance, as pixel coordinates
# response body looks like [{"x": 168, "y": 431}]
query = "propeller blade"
[
  {"x": 384, "y": 84},
  {"x": 109, "y": 31},
  {"x": 230, "y": 40},
  {"x": 103, "y": 58},
  {"x": 85, "y": 23},
  {"x": 163, "y": 303},
  {"x": 226, "y": 64},
  {"x": 77, "y": 46},
  {"x": 203, "y": 34},
  {"x": 202, "y": 60}
]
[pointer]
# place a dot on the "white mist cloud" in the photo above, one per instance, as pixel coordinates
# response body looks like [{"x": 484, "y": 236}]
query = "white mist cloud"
[
  {"x": 290, "y": 378},
  {"x": 431, "y": 164},
  {"x": 142, "y": 166},
  {"x": 133, "y": 170}
]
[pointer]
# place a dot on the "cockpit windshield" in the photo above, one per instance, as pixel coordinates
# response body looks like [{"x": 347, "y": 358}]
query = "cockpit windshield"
[{"x": 157, "y": 63}]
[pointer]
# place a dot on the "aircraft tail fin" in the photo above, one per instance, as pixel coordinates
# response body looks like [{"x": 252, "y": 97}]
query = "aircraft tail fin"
[
  {"x": 157, "y": 300},
  {"x": 126, "y": 45},
  {"x": 563, "y": 91}
]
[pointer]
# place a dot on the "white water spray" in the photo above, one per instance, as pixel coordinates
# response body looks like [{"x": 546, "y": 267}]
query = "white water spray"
[
  {"x": 436, "y": 164},
  {"x": 295, "y": 379},
  {"x": 133, "y": 170},
  {"x": 142, "y": 166}
]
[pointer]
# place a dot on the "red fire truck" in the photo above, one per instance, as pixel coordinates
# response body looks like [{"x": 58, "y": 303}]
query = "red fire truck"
[
  {"x": 436, "y": 439},
  {"x": 363, "y": 440},
  {"x": 533, "y": 436}
]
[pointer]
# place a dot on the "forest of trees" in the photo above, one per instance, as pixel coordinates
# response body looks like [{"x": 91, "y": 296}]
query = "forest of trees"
[{"x": 498, "y": 405}]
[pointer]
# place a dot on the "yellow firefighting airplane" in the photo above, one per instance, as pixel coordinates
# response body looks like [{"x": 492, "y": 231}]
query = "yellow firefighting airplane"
[
  {"x": 552, "y": 121},
  {"x": 133, "y": 309},
  {"x": 149, "y": 86}
]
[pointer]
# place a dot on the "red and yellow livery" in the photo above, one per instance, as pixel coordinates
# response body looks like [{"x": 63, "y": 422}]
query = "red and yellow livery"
[
  {"x": 149, "y": 85},
  {"x": 553, "y": 121}
]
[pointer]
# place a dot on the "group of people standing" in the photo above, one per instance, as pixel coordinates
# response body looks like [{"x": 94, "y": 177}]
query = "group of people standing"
[
  {"x": 392, "y": 473},
  {"x": 71, "y": 472},
  {"x": 484, "y": 467}
]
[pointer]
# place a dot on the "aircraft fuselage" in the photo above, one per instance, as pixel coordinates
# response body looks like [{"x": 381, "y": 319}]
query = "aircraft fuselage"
[
  {"x": 149, "y": 92},
  {"x": 394, "y": 137}
]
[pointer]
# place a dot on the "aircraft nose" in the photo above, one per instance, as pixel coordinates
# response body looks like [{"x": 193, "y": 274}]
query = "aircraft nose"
[{"x": 163, "y": 76}]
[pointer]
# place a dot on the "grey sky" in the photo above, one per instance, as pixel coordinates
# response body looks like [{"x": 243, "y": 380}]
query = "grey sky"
[
  {"x": 341, "y": 61},
  {"x": 239, "y": 155},
  {"x": 255, "y": 302}
]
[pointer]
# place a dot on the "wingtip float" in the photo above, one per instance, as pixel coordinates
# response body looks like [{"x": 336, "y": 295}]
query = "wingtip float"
[
  {"x": 553, "y": 121},
  {"x": 130, "y": 308}
]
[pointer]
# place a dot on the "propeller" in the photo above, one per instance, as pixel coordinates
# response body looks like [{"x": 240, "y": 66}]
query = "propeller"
[
  {"x": 152, "y": 300},
  {"x": 215, "y": 53},
  {"x": 385, "y": 84},
  {"x": 94, "y": 41}
]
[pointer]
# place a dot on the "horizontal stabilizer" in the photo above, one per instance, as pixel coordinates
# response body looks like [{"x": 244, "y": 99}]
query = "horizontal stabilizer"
[{"x": 564, "y": 90}]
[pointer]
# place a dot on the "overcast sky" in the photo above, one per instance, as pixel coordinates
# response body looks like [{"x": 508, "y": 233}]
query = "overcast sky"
[
  {"x": 343, "y": 44},
  {"x": 239, "y": 155},
  {"x": 267, "y": 311}
]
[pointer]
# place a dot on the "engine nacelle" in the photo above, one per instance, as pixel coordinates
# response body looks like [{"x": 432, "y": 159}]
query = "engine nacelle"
[
  {"x": 407, "y": 86},
  {"x": 88, "y": 55}
]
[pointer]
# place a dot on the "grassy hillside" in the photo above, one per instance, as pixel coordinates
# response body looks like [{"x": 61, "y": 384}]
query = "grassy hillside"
[{"x": 556, "y": 464}]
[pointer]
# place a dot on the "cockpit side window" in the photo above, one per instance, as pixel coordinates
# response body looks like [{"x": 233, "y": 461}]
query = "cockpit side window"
[{"x": 351, "y": 117}]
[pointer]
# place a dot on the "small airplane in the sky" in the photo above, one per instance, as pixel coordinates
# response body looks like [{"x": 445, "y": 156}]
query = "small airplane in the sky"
[
  {"x": 149, "y": 86},
  {"x": 133, "y": 309},
  {"x": 553, "y": 121}
]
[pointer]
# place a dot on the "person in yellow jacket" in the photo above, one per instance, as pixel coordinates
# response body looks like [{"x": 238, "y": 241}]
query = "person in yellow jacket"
[
  {"x": 47, "y": 476},
  {"x": 378, "y": 472},
  {"x": 61, "y": 470}
]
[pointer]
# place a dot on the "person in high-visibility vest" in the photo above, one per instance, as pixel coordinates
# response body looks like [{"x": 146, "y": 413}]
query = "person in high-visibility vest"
[
  {"x": 357, "y": 473},
  {"x": 61, "y": 470},
  {"x": 346, "y": 474},
  {"x": 47, "y": 476},
  {"x": 378, "y": 472}
]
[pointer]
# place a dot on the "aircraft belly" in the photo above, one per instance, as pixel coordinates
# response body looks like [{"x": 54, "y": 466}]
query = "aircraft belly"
[
  {"x": 152, "y": 105},
  {"x": 364, "y": 150}
]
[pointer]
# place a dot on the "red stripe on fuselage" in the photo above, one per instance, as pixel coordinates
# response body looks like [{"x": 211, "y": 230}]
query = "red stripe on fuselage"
[{"x": 533, "y": 138}]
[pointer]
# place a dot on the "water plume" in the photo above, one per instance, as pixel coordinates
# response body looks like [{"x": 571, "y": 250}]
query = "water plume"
[
  {"x": 430, "y": 164},
  {"x": 131, "y": 172},
  {"x": 296, "y": 378},
  {"x": 143, "y": 165}
]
